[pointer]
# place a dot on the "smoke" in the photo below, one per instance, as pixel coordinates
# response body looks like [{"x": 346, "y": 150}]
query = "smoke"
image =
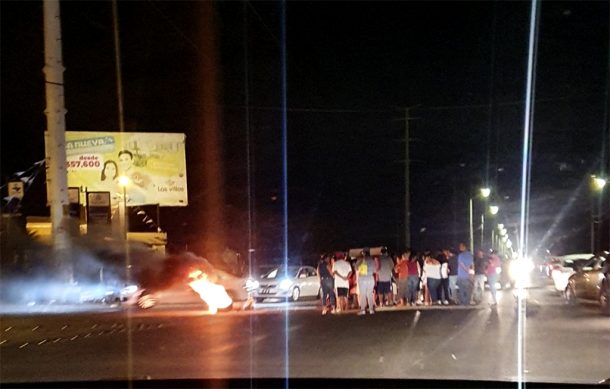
[{"x": 100, "y": 271}]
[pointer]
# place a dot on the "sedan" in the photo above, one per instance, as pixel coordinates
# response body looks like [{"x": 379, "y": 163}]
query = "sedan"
[
  {"x": 293, "y": 282},
  {"x": 563, "y": 267},
  {"x": 591, "y": 282}
]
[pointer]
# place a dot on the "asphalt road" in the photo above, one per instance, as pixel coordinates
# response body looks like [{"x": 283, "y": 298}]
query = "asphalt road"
[{"x": 562, "y": 343}]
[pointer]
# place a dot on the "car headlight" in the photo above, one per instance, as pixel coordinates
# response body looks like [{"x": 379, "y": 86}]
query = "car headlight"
[
  {"x": 285, "y": 284},
  {"x": 521, "y": 268},
  {"x": 252, "y": 284}
]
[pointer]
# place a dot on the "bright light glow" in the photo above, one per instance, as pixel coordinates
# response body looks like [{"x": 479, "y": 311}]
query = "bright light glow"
[
  {"x": 485, "y": 192},
  {"x": 520, "y": 270},
  {"x": 504, "y": 238},
  {"x": 500, "y": 226},
  {"x": 123, "y": 180},
  {"x": 599, "y": 183},
  {"x": 493, "y": 209},
  {"x": 509, "y": 244},
  {"x": 498, "y": 270},
  {"x": 214, "y": 295},
  {"x": 285, "y": 284}
]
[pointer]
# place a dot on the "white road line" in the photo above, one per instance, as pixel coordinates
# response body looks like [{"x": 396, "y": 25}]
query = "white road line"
[{"x": 23, "y": 345}]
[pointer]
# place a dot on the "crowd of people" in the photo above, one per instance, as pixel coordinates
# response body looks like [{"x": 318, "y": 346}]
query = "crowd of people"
[{"x": 426, "y": 278}]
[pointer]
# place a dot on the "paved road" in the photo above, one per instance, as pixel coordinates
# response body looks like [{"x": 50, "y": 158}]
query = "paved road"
[{"x": 562, "y": 343}]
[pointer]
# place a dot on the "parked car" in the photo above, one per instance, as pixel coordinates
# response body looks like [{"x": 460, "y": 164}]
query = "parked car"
[
  {"x": 292, "y": 282},
  {"x": 591, "y": 282},
  {"x": 562, "y": 267}
]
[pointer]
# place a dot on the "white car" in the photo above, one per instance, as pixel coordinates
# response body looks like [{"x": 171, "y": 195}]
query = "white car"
[
  {"x": 293, "y": 282},
  {"x": 563, "y": 267}
]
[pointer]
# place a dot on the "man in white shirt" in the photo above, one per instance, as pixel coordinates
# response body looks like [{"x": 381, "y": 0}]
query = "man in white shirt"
[{"x": 341, "y": 271}]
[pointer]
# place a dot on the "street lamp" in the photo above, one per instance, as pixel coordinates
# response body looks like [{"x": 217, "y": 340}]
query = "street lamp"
[
  {"x": 493, "y": 209},
  {"x": 597, "y": 184},
  {"x": 484, "y": 192},
  {"x": 124, "y": 182}
]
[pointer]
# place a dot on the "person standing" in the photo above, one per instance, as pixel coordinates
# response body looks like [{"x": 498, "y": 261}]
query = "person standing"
[
  {"x": 492, "y": 274},
  {"x": 366, "y": 281},
  {"x": 432, "y": 271},
  {"x": 452, "y": 263},
  {"x": 413, "y": 280},
  {"x": 342, "y": 270},
  {"x": 327, "y": 283},
  {"x": 444, "y": 288},
  {"x": 384, "y": 284},
  {"x": 480, "y": 263},
  {"x": 402, "y": 271},
  {"x": 465, "y": 275}
]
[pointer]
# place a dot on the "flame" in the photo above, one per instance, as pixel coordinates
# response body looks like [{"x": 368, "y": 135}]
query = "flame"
[{"x": 214, "y": 295}]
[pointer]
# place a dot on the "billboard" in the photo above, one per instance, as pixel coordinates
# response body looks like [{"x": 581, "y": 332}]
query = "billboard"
[{"x": 154, "y": 163}]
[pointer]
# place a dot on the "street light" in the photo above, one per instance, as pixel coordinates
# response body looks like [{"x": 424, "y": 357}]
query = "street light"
[
  {"x": 124, "y": 182},
  {"x": 597, "y": 184},
  {"x": 484, "y": 192},
  {"x": 493, "y": 209}
]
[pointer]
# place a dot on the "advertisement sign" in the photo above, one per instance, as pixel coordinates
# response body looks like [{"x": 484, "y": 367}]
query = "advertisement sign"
[{"x": 153, "y": 163}]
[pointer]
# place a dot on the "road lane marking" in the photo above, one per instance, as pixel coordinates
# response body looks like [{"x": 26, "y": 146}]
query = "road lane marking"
[
  {"x": 35, "y": 328},
  {"x": 42, "y": 342},
  {"x": 8, "y": 329},
  {"x": 88, "y": 335},
  {"x": 3, "y": 341},
  {"x": 56, "y": 340},
  {"x": 74, "y": 337},
  {"x": 23, "y": 345},
  {"x": 64, "y": 327}
]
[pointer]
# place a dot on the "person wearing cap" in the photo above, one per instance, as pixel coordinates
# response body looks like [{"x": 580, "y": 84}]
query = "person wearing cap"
[{"x": 365, "y": 266}]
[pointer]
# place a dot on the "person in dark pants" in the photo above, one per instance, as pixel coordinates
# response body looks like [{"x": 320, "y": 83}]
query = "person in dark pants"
[
  {"x": 327, "y": 283},
  {"x": 444, "y": 289},
  {"x": 465, "y": 276}
]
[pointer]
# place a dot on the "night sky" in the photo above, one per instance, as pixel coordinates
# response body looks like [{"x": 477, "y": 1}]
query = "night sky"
[{"x": 352, "y": 68}]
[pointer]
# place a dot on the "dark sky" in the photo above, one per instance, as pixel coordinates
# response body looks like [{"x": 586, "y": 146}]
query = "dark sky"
[{"x": 351, "y": 67}]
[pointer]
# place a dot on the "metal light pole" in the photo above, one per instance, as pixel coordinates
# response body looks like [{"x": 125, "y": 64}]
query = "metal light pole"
[
  {"x": 598, "y": 184},
  {"x": 484, "y": 192},
  {"x": 124, "y": 182}
]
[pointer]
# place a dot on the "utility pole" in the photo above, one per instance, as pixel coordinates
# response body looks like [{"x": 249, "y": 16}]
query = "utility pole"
[
  {"x": 407, "y": 166},
  {"x": 55, "y": 150}
]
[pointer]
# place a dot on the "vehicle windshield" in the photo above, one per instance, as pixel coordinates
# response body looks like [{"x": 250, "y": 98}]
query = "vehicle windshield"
[
  {"x": 279, "y": 272},
  {"x": 438, "y": 170}
]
